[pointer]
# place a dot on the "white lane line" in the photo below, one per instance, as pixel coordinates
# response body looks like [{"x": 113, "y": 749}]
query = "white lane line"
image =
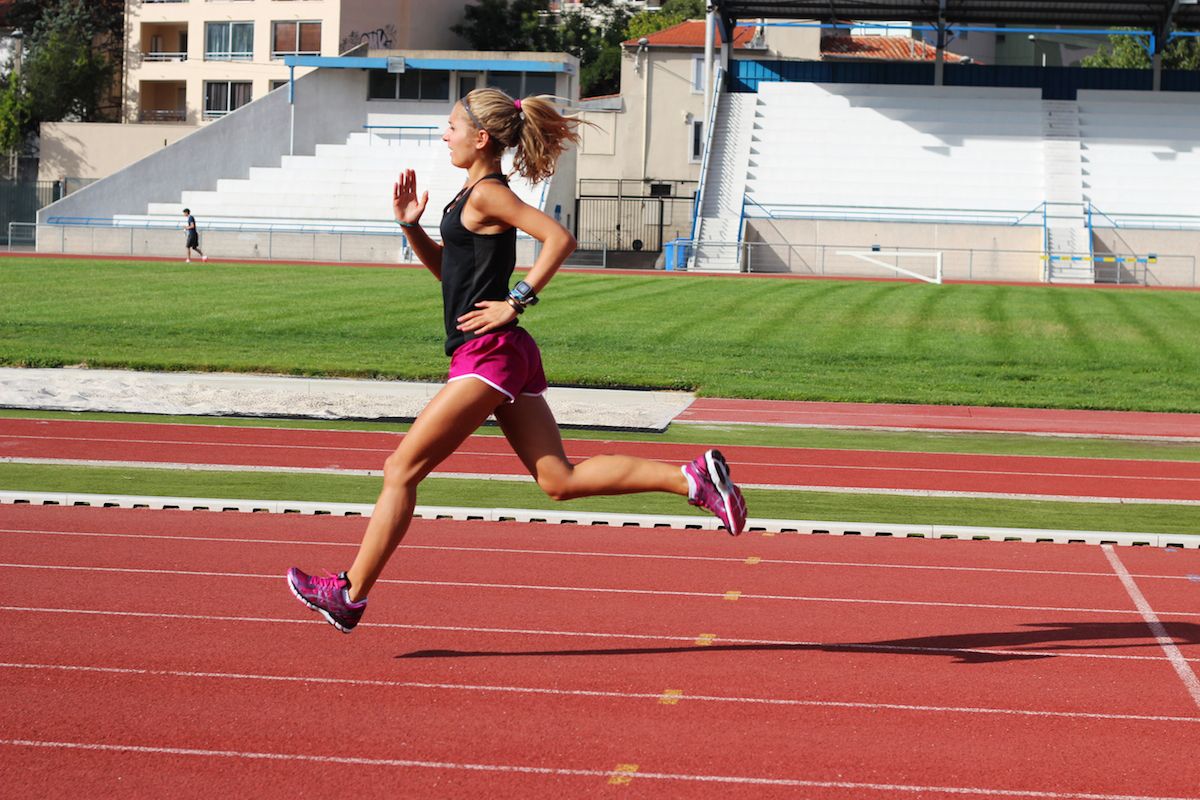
[
  {"x": 570, "y": 772},
  {"x": 1165, "y": 640},
  {"x": 822, "y": 466},
  {"x": 539, "y": 690},
  {"x": 681, "y": 643},
  {"x": 538, "y": 587},
  {"x": 594, "y": 554},
  {"x": 525, "y": 478}
]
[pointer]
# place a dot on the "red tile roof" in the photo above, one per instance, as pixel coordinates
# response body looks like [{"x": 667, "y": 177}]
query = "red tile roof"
[
  {"x": 881, "y": 48},
  {"x": 691, "y": 34}
]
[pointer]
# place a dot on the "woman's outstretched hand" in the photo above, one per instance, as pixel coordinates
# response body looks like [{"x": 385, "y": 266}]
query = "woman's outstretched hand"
[
  {"x": 405, "y": 205},
  {"x": 489, "y": 315}
]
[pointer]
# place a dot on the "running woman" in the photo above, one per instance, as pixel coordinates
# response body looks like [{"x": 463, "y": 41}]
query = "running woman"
[{"x": 495, "y": 365}]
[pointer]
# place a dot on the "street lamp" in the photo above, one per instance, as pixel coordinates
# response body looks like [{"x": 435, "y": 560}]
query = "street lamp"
[{"x": 1033, "y": 40}]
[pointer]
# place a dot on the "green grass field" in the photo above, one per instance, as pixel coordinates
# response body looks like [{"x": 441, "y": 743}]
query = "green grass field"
[
  {"x": 857, "y": 341},
  {"x": 772, "y": 338}
]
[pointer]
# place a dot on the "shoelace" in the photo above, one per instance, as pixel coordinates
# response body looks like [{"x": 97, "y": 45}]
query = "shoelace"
[{"x": 327, "y": 585}]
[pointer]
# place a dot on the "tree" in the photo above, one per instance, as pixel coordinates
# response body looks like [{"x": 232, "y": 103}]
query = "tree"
[
  {"x": 67, "y": 67},
  {"x": 671, "y": 12},
  {"x": 509, "y": 25},
  {"x": 1127, "y": 52}
]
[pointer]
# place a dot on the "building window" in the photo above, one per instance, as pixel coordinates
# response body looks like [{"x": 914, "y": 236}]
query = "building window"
[
  {"x": 275, "y": 84},
  {"x": 295, "y": 39},
  {"x": 522, "y": 84},
  {"x": 696, "y": 152},
  {"x": 229, "y": 41},
  {"x": 221, "y": 97},
  {"x": 413, "y": 84},
  {"x": 698, "y": 74}
]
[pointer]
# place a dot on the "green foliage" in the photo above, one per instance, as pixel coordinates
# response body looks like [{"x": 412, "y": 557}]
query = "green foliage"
[
  {"x": 14, "y": 116},
  {"x": 508, "y": 25},
  {"x": 1127, "y": 52},
  {"x": 670, "y": 13},
  {"x": 71, "y": 53},
  {"x": 63, "y": 74},
  {"x": 593, "y": 35}
]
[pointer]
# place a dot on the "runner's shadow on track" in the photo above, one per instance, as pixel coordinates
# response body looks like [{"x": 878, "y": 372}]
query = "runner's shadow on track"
[{"x": 1036, "y": 640}]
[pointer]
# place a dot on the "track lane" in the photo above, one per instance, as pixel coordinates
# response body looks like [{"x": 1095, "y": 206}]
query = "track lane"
[
  {"x": 597, "y": 733},
  {"x": 337, "y": 450}
]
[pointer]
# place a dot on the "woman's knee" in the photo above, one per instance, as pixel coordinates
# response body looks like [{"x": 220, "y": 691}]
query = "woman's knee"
[
  {"x": 400, "y": 472},
  {"x": 557, "y": 483}
]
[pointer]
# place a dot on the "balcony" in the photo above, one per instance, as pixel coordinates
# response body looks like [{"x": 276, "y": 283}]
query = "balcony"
[
  {"x": 163, "y": 114},
  {"x": 162, "y": 101},
  {"x": 164, "y": 41}
]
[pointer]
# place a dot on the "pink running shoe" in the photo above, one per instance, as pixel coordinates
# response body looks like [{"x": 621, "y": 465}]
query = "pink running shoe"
[
  {"x": 327, "y": 595},
  {"x": 709, "y": 487}
]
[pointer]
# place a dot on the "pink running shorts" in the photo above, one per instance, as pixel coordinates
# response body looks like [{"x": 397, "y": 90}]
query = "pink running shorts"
[{"x": 508, "y": 361}]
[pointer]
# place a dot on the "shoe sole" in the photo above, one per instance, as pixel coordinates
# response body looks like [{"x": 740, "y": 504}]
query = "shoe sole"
[
  {"x": 718, "y": 473},
  {"x": 328, "y": 617}
]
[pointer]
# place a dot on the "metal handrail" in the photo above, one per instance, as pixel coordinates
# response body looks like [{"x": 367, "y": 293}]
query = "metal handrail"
[
  {"x": 718, "y": 81},
  {"x": 1012, "y": 217},
  {"x": 366, "y": 228}
]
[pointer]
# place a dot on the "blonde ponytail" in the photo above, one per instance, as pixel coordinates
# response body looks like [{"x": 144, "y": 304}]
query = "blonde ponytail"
[{"x": 533, "y": 126}]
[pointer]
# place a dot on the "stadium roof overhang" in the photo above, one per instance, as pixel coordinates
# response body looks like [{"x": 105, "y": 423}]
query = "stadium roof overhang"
[{"x": 1159, "y": 16}]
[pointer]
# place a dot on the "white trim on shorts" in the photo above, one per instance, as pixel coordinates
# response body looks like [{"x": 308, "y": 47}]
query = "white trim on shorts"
[{"x": 511, "y": 399}]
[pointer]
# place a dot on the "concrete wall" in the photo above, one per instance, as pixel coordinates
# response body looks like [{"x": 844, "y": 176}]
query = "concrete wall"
[
  {"x": 970, "y": 252},
  {"x": 1178, "y": 253},
  {"x": 141, "y": 242},
  {"x": 329, "y": 104},
  {"x": 93, "y": 150}
]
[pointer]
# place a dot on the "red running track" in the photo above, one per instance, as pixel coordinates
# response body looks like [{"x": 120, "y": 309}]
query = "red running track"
[
  {"x": 1064, "y": 422},
  {"x": 491, "y": 455},
  {"x": 158, "y": 653}
]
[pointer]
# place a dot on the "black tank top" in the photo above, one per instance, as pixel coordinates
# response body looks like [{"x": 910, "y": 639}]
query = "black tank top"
[{"x": 475, "y": 266}]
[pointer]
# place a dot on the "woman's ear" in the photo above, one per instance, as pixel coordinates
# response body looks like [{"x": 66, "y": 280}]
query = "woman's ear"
[{"x": 482, "y": 140}]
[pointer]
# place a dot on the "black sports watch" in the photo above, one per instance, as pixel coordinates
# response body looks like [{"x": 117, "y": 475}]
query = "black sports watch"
[{"x": 523, "y": 293}]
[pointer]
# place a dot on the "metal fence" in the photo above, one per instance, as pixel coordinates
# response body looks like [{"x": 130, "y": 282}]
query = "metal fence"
[
  {"x": 981, "y": 264},
  {"x": 20, "y": 201}
]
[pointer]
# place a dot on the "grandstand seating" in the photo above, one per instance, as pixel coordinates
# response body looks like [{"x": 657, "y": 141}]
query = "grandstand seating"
[
  {"x": 346, "y": 186},
  {"x": 959, "y": 148},
  {"x": 1141, "y": 151}
]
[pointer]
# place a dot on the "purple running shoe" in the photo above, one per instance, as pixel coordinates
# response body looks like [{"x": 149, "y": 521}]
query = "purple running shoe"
[
  {"x": 328, "y": 595},
  {"x": 709, "y": 487}
]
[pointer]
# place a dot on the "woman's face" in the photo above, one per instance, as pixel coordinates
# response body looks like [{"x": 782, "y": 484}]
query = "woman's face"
[{"x": 462, "y": 138}]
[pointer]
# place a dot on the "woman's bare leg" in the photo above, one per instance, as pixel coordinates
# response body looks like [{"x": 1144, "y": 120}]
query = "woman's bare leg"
[
  {"x": 531, "y": 430},
  {"x": 451, "y": 416}
]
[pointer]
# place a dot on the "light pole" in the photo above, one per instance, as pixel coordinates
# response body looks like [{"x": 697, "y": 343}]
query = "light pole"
[{"x": 1033, "y": 40}]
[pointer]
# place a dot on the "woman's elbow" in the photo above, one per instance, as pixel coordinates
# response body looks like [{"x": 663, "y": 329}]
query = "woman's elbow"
[{"x": 568, "y": 243}]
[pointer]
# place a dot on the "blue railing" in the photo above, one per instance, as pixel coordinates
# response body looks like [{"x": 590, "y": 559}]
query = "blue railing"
[
  {"x": 1152, "y": 221},
  {"x": 718, "y": 81},
  {"x": 980, "y": 216},
  {"x": 428, "y": 130},
  {"x": 249, "y": 226}
]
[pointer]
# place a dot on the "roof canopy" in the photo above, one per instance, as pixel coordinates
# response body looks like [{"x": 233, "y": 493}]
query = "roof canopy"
[{"x": 1154, "y": 15}]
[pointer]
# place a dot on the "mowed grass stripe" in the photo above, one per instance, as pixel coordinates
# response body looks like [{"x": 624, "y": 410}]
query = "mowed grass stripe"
[
  {"x": 862, "y": 341},
  {"x": 825, "y": 506}
]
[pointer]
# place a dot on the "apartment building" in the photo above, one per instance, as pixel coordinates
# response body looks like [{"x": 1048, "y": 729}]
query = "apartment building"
[{"x": 192, "y": 61}]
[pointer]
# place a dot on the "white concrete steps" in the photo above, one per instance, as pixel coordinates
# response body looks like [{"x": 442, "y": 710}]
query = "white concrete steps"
[
  {"x": 717, "y": 248},
  {"x": 1066, "y": 211}
]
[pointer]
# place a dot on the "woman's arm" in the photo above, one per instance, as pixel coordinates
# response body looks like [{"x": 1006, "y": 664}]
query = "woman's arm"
[
  {"x": 497, "y": 205},
  {"x": 408, "y": 209}
]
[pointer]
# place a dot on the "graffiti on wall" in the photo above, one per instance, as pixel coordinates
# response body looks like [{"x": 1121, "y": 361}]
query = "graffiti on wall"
[{"x": 378, "y": 39}]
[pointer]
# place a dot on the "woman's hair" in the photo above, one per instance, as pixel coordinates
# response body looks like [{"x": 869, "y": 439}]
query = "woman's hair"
[{"x": 532, "y": 125}]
